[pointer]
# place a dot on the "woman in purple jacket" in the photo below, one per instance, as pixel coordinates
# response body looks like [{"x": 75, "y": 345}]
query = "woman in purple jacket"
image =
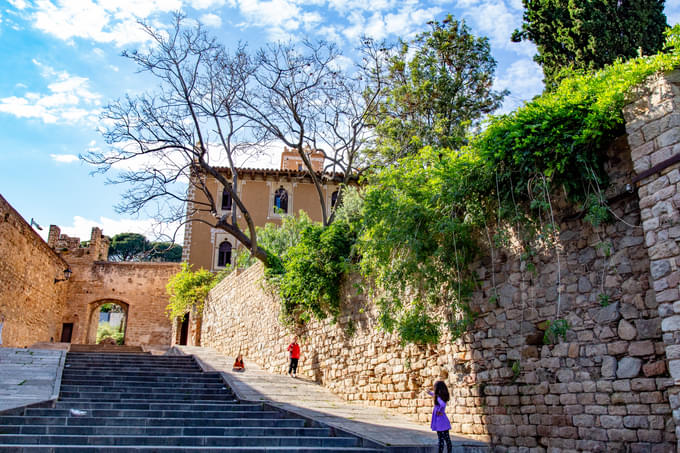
[{"x": 440, "y": 422}]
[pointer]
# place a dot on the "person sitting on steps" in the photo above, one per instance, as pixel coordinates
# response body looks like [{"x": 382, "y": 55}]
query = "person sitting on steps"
[{"x": 238, "y": 364}]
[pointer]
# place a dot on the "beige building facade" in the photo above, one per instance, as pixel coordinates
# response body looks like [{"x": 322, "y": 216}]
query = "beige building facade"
[{"x": 268, "y": 194}]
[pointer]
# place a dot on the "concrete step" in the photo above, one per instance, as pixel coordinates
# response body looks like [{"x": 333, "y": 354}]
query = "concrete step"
[
  {"x": 147, "y": 369},
  {"x": 69, "y": 374},
  {"x": 155, "y": 387},
  {"x": 172, "y": 396},
  {"x": 102, "y": 380},
  {"x": 18, "y": 448},
  {"x": 237, "y": 410},
  {"x": 146, "y": 405},
  {"x": 164, "y": 431},
  {"x": 136, "y": 403},
  {"x": 101, "y": 349},
  {"x": 274, "y": 421},
  {"x": 193, "y": 441}
]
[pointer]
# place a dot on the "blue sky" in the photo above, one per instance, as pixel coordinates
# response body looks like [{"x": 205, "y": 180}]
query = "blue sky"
[{"x": 60, "y": 63}]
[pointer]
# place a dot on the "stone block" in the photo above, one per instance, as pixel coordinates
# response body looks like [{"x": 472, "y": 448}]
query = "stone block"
[
  {"x": 626, "y": 330},
  {"x": 611, "y": 421},
  {"x": 654, "y": 368},
  {"x": 628, "y": 367},
  {"x": 668, "y": 138},
  {"x": 641, "y": 348},
  {"x": 660, "y": 268},
  {"x": 609, "y": 366},
  {"x": 585, "y": 420},
  {"x": 674, "y": 369},
  {"x": 671, "y": 324},
  {"x": 608, "y": 314},
  {"x": 623, "y": 435},
  {"x": 648, "y": 328},
  {"x": 635, "y": 421}
]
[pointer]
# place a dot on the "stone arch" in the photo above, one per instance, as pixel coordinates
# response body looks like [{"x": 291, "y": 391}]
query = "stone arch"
[{"x": 93, "y": 318}]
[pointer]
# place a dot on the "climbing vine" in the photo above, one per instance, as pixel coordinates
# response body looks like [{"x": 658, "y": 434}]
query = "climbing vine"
[{"x": 419, "y": 224}]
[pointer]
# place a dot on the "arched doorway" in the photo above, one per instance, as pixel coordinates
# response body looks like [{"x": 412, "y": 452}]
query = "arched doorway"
[{"x": 108, "y": 318}]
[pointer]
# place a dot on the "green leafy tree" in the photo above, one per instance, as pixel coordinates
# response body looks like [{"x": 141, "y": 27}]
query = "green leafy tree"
[
  {"x": 438, "y": 86},
  {"x": 128, "y": 247},
  {"x": 420, "y": 220},
  {"x": 587, "y": 34},
  {"x": 313, "y": 271},
  {"x": 136, "y": 247},
  {"x": 188, "y": 290},
  {"x": 165, "y": 251}
]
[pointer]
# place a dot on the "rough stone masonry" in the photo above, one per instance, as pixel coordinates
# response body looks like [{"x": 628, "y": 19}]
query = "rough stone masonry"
[{"x": 610, "y": 386}]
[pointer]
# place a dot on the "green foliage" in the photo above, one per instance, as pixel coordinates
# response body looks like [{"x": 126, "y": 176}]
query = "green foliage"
[
  {"x": 278, "y": 239},
  {"x": 166, "y": 252},
  {"x": 555, "y": 329},
  {"x": 188, "y": 290},
  {"x": 312, "y": 272},
  {"x": 604, "y": 299},
  {"x": 426, "y": 216},
  {"x": 307, "y": 262},
  {"x": 587, "y": 35},
  {"x": 128, "y": 247},
  {"x": 136, "y": 247},
  {"x": 105, "y": 330},
  {"x": 418, "y": 238},
  {"x": 516, "y": 370},
  {"x": 417, "y": 326},
  {"x": 562, "y": 135},
  {"x": 439, "y": 85}
]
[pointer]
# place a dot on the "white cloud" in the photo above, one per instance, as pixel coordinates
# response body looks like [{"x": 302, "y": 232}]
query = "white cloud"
[
  {"x": 205, "y": 4},
  {"x": 524, "y": 79},
  {"x": 82, "y": 228},
  {"x": 378, "y": 24},
  {"x": 211, "y": 20},
  {"x": 69, "y": 100},
  {"x": 107, "y": 21},
  {"x": 497, "y": 19},
  {"x": 18, "y": 4},
  {"x": 64, "y": 158}
]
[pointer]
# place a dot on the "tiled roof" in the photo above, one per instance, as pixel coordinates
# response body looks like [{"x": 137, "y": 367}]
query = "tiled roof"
[{"x": 280, "y": 173}]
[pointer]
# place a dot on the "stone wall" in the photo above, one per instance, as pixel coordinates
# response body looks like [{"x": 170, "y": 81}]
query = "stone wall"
[
  {"x": 137, "y": 287},
  {"x": 31, "y": 302},
  {"x": 653, "y": 126},
  {"x": 605, "y": 387}
]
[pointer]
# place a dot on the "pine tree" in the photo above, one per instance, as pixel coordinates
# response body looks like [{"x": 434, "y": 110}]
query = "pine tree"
[{"x": 588, "y": 34}]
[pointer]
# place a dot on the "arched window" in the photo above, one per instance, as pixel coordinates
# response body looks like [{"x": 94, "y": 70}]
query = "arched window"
[
  {"x": 281, "y": 200},
  {"x": 226, "y": 200},
  {"x": 334, "y": 198},
  {"x": 224, "y": 254}
]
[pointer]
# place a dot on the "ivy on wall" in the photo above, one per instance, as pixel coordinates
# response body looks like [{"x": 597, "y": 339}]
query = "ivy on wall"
[{"x": 419, "y": 224}]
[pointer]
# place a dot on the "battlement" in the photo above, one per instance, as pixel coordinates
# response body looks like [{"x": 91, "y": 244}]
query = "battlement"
[{"x": 97, "y": 248}]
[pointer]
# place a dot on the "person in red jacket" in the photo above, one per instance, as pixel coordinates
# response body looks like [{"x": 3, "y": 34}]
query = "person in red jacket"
[{"x": 294, "y": 350}]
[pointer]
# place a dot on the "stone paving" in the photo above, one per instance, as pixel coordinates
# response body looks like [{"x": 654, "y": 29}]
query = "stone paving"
[
  {"x": 29, "y": 376},
  {"x": 311, "y": 400}
]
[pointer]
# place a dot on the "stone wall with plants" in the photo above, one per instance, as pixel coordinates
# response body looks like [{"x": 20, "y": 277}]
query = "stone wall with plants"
[
  {"x": 531, "y": 244},
  {"x": 569, "y": 353}
]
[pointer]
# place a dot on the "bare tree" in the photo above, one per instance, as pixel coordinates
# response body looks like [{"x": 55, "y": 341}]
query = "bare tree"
[
  {"x": 345, "y": 113},
  {"x": 177, "y": 133},
  {"x": 305, "y": 99}
]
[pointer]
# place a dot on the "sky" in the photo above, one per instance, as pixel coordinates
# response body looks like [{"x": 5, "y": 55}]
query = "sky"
[{"x": 61, "y": 64}]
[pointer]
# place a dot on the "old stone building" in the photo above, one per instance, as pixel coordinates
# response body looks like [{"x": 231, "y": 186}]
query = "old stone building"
[
  {"x": 268, "y": 194},
  {"x": 52, "y": 292}
]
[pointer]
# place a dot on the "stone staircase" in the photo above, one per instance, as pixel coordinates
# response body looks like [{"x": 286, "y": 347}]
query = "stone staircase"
[
  {"x": 106, "y": 348},
  {"x": 145, "y": 403}
]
